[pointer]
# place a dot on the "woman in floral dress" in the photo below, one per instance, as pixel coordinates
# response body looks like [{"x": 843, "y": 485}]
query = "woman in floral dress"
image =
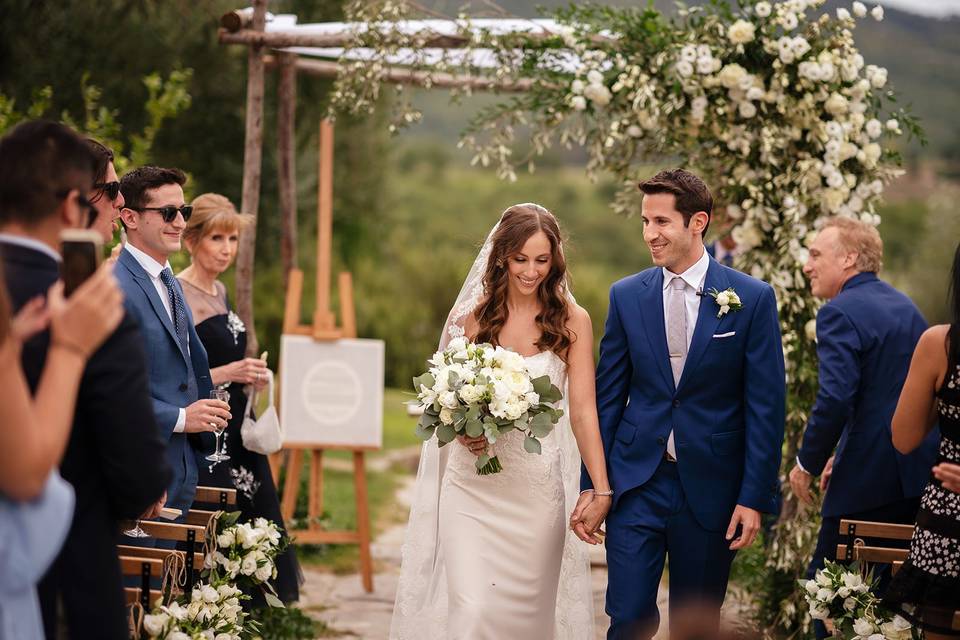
[
  {"x": 926, "y": 590},
  {"x": 212, "y": 236}
]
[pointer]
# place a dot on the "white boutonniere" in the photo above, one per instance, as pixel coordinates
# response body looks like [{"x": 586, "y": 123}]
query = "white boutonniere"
[{"x": 727, "y": 300}]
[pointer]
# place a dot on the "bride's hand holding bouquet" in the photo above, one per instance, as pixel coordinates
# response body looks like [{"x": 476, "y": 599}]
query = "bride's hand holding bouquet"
[{"x": 478, "y": 391}]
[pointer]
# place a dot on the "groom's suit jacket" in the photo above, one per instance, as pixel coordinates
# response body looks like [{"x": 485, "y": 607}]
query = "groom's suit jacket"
[
  {"x": 172, "y": 388},
  {"x": 727, "y": 411},
  {"x": 865, "y": 340},
  {"x": 114, "y": 459}
]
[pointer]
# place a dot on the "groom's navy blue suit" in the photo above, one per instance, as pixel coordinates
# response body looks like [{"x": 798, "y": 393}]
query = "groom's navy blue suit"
[
  {"x": 177, "y": 378},
  {"x": 727, "y": 415}
]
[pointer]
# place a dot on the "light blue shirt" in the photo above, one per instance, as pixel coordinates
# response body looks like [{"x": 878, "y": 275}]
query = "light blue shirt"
[{"x": 31, "y": 535}]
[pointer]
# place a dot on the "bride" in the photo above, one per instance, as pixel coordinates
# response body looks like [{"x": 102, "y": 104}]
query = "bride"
[{"x": 490, "y": 556}]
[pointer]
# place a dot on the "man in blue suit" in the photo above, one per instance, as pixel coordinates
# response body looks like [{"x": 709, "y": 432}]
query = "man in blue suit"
[
  {"x": 866, "y": 334},
  {"x": 691, "y": 401},
  {"x": 154, "y": 217}
]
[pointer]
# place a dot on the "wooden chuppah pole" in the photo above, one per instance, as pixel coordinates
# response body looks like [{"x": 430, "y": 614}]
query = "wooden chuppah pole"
[
  {"x": 252, "y": 157},
  {"x": 286, "y": 162}
]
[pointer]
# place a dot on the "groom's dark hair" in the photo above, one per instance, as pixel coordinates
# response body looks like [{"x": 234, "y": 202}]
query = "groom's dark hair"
[{"x": 692, "y": 195}]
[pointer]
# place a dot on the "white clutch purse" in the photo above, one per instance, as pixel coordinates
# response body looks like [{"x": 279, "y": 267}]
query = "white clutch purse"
[{"x": 263, "y": 434}]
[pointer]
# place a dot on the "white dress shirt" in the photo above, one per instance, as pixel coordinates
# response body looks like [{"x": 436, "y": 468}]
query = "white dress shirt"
[
  {"x": 693, "y": 277},
  {"x": 153, "y": 269}
]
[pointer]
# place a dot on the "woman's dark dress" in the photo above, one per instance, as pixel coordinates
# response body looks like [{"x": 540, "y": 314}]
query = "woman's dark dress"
[
  {"x": 225, "y": 339},
  {"x": 930, "y": 577}
]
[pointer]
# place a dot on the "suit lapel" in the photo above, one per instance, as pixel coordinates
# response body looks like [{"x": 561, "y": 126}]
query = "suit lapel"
[
  {"x": 651, "y": 311},
  {"x": 146, "y": 284},
  {"x": 707, "y": 320}
]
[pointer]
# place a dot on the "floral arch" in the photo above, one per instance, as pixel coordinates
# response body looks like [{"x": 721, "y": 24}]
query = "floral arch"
[{"x": 770, "y": 102}]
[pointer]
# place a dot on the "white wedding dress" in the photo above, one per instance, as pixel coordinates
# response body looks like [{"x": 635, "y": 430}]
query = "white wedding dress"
[{"x": 491, "y": 557}]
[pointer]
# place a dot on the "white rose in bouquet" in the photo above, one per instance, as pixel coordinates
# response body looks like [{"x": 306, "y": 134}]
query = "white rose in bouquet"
[{"x": 741, "y": 32}]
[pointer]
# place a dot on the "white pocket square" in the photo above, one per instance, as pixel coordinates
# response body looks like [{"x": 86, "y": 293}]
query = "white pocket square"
[{"x": 725, "y": 335}]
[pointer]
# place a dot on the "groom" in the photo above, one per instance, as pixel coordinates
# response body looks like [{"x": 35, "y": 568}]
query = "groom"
[{"x": 691, "y": 401}]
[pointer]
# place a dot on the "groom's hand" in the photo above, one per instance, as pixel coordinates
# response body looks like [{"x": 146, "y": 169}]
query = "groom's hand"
[{"x": 749, "y": 522}]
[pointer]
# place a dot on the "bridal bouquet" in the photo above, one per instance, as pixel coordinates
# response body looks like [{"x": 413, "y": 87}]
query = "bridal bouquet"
[
  {"x": 481, "y": 390},
  {"x": 245, "y": 553},
  {"x": 843, "y": 596}
]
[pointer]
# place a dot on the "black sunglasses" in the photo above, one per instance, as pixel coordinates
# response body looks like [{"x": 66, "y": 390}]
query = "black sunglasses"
[
  {"x": 169, "y": 212},
  {"x": 111, "y": 189}
]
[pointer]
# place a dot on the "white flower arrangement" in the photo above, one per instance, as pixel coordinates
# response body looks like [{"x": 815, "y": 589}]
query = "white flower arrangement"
[
  {"x": 245, "y": 553},
  {"x": 212, "y": 613},
  {"x": 841, "y": 595},
  {"x": 480, "y": 390}
]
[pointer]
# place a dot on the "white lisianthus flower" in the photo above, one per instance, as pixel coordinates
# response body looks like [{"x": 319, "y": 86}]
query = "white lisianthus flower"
[
  {"x": 457, "y": 344},
  {"x": 859, "y": 9},
  {"x": 154, "y": 624},
  {"x": 577, "y": 86},
  {"x": 893, "y": 125},
  {"x": 594, "y": 77},
  {"x": 634, "y": 131},
  {"x": 849, "y": 604},
  {"x": 209, "y": 593},
  {"x": 825, "y": 594},
  {"x": 852, "y": 580},
  {"x": 836, "y": 104},
  {"x": 874, "y": 128},
  {"x": 762, "y": 9},
  {"x": 835, "y": 180},
  {"x": 819, "y": 612},
  {"x": 843, "y": 14},
  {"x": 684, "y": 69},
  {"x": 707, "y": 64},
  {"x": 226, "y": 538},
  {"x": 598, "y": 94},
  {"x": 863, "y": 627},
  {"x": 249, "y": 565},
  {"x": 877, "y": 13},
  {"x": 579, "y": 103},
  {"x": 789, "y": 21},
  {"x": 688, "y": 53},
  {"x": 264, "y": 572},
  {"x": 747, "y": 109},
  {"x": 755, "y": 93},
  {"x": 811, "y": 585},
  {"x": 449, "y": 400},
  {"x": 731, "y": 75},
  {"x": 877, "y": 76},
  {"x": 741, "y": 32}
]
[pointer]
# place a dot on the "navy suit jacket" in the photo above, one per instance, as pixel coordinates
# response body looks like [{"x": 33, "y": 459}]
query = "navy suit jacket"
[
  {"x": 727, "y": 412},
  {"x": 114, "y": 459},
  {"x": 865, "y": 340},
  {"x": 171, "y": 387}
]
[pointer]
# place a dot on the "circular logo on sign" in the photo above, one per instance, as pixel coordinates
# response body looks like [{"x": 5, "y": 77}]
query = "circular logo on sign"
[{"x": 331, "y": 392}]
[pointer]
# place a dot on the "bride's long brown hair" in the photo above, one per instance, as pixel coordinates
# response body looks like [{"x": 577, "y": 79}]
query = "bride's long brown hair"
[{"x": 517, "y": 224}]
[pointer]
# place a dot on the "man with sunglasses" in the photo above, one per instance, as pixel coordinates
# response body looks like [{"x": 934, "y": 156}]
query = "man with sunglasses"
[
  {"x": 115, "y": 456},
  {"x": 154, "y": 215},
  {"x": 105, "y": 197}
]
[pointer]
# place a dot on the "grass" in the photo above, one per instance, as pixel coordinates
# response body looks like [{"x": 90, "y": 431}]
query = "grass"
[{"x": 339, "y": 508}]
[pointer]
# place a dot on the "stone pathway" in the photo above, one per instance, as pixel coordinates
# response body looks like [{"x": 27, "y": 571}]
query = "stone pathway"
[{"x": 341, "y": 602}]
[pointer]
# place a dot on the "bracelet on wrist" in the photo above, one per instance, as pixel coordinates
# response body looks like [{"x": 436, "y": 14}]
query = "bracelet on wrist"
[
  {"x": 597, "y": 493},
  {"x": 69, "y": 346}
]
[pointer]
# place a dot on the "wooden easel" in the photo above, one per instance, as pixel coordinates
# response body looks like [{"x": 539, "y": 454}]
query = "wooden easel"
[{"x": 324, "y": 328}]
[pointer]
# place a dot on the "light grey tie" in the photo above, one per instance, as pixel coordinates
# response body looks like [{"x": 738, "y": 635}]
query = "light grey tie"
[
  {"x": 677, "y": 326},
  {"x": 676, "y": 338}
]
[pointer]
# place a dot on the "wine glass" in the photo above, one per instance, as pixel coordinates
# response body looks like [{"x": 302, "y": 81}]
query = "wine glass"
[{"x": 217, "y": 455}]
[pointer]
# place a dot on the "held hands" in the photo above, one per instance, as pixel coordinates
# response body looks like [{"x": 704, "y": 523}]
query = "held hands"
[
  {"x": 476, "y": 446},
  {"x": 206, "y": 415},
  {"x": 588, "y": 515},
  {"x": 83, "y": 321},
  {"x": 749, "y": 521}
]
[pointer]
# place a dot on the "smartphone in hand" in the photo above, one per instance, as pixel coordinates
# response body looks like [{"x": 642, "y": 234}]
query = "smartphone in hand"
[{"x": 82, "y": 250}]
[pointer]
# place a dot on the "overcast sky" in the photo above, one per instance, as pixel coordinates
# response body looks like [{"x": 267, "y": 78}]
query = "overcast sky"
[{"x": 926, "y": 7}]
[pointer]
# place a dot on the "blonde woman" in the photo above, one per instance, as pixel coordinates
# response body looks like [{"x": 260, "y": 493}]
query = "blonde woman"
[{"x": 212, "y": 237}]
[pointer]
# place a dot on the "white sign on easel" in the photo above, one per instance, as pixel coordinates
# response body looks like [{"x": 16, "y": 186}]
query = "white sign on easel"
[{"x": 331, "y": 393}]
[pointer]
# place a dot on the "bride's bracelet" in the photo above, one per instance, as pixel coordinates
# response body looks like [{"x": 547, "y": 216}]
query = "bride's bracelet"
[{"x": 598, "y": 493}]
